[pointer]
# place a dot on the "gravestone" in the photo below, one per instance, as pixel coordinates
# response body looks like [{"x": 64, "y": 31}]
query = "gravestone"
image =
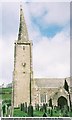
[
  {"x": 21, "y": 108},
  {"x": 4, "y": 110},
  {"x": 25, "y": 107},
  {"x": 37, "y": 107},
  {"x": 45, "y": 107},
  {"x": 51, "y": 113},
  {"x": 30, "y": 110}
]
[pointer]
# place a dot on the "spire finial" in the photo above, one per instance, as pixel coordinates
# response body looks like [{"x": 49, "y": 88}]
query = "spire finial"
[
  {"x": 20, "y": 5},
  {"x": 23, "y": 34}
]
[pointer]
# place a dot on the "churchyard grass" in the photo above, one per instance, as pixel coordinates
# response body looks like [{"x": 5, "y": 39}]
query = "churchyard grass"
[
  {"x": 6, "y": 93},
  {"x": 19, "y": 113},
  {"x": 38, "y": 113}
]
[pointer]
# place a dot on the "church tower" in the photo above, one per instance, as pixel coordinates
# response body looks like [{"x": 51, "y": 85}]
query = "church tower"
[{"x": 22, "y": 74}]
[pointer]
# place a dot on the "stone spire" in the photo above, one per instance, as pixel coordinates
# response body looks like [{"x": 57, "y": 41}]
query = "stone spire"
[{"x": 23, "y": 33}]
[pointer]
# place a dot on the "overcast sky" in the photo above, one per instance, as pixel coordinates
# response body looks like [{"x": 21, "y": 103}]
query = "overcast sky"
[{"x": 49, "y": 29}]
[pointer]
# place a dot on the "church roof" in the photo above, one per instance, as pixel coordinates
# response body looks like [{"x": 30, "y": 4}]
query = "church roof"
[{"x": 49, "y": 82}]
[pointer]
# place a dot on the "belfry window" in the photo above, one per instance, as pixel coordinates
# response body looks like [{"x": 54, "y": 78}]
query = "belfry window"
[{"x": 23, "y": 47}]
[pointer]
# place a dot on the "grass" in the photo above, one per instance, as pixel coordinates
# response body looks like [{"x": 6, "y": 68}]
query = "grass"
[
  {"x": 6, "y": 93},
  {"x": 70, "y": 114},
  {"x": 19, "y": 113},
  {"x": 38, "y": 113},
  {"x": 6, "y": 89}
]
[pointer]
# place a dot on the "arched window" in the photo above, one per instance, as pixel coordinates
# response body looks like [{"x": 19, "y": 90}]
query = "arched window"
[{"x": 43, "y": 98}]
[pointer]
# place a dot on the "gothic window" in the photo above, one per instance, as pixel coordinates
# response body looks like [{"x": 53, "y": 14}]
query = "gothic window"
[{"x": 43, "y": 98}]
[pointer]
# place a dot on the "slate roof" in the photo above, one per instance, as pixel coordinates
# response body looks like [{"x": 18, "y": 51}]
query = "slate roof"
[{"x": 49, "y": 82}]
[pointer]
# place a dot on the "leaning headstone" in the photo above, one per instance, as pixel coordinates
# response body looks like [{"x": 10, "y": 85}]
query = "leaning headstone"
[
  {"x": 9, "y": 111},
  {"x": 37, "y": 107},
  {"x": 49, "y": 110},
  {"x": 50, "y": 102},
  {"x": 0, "y": 107},
  {"x": 4, "y": 110},
  {"x": 30, "y": 110},
  {"x": 45, "y": 108},
  {"x": 51, "y": 113},
  {"x": 68, "y": 108},
  {"x": 71, "y": 108},
  {"x": 25, "y": 107},
  {"x": 41, "y": 108},
  {"x": 21, "y": 107}
]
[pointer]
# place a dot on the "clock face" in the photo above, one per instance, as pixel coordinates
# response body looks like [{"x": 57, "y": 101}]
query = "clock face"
[
  {"x": 23, "y": 64},
  {"x": 60, "y": 90}
]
